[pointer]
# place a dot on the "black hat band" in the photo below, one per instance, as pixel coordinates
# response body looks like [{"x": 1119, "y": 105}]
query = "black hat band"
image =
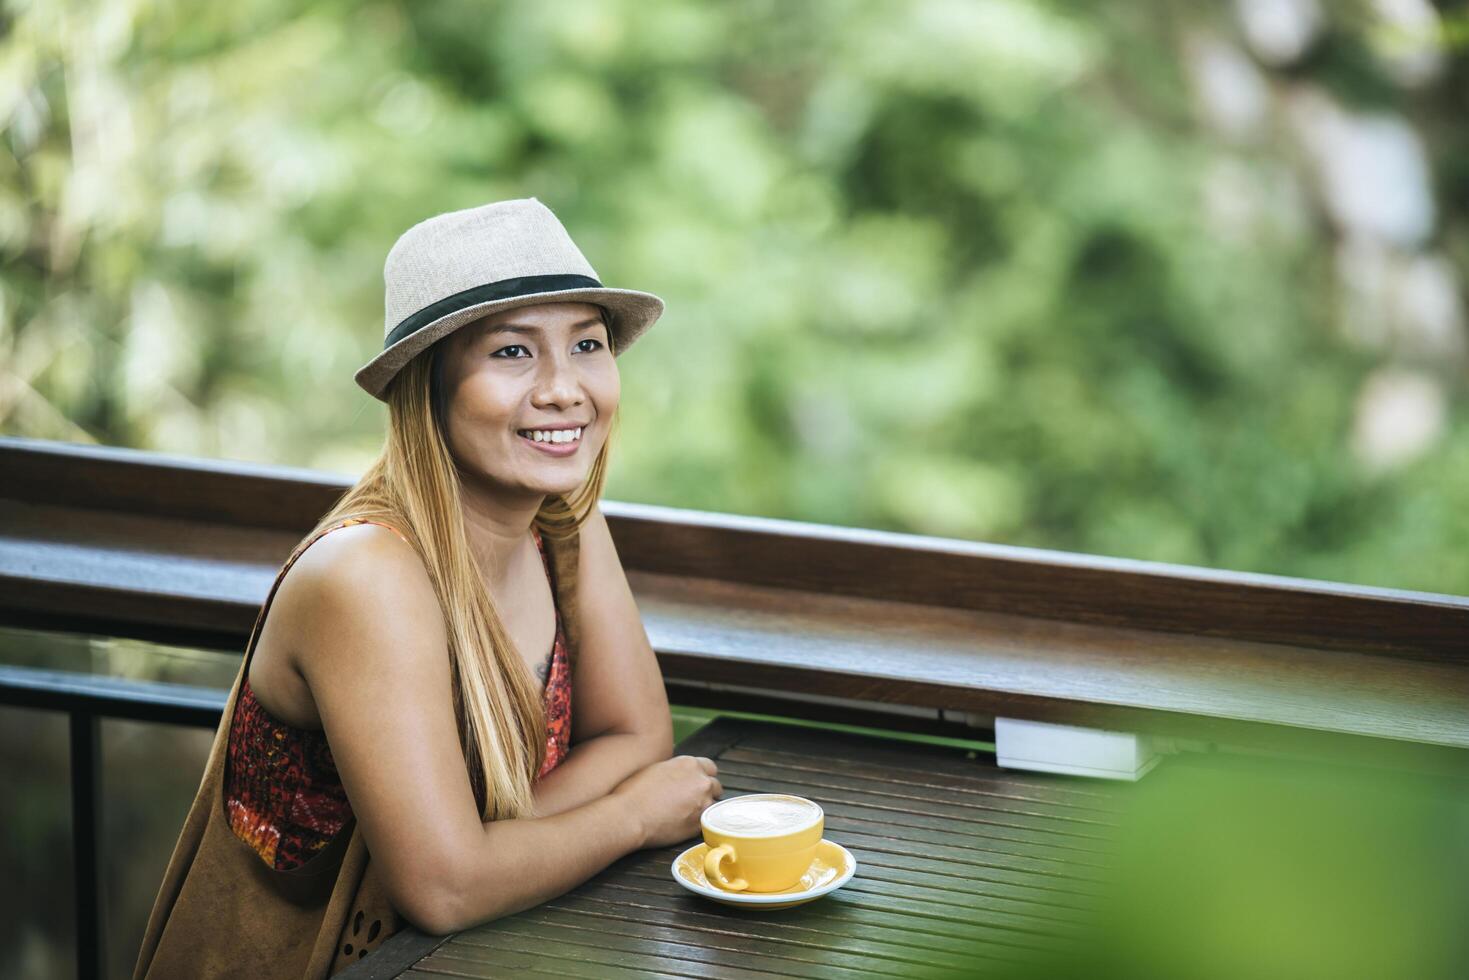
[{"x": 489, "y": 292}]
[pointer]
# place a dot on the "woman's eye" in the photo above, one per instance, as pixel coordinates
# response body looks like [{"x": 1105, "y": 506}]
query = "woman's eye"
[{"x": 522, "y": 347}]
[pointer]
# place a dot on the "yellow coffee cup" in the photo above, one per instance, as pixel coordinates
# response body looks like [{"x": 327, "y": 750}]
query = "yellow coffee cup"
[{"x": 761, "y": 842}]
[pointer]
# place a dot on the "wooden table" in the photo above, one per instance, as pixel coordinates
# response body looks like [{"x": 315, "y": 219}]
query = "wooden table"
[{"x": 960, "y": 865}]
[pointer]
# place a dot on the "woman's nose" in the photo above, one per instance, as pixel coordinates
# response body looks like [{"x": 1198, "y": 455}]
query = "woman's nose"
[{"x": 559, "y": 381}]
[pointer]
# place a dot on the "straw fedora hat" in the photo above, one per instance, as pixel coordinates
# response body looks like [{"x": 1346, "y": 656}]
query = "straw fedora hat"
[{"x": 456, "y": 267}]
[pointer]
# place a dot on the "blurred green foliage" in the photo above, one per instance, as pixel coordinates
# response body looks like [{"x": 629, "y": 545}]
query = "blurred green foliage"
[
  {"x": 1230, "y": 866},
  {"x": 943, "y": 267}
]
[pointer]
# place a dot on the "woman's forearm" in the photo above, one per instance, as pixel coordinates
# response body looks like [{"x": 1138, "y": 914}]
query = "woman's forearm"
[
  {"x": 521, "y": 863},
  {"x": 593, "y": 769}
]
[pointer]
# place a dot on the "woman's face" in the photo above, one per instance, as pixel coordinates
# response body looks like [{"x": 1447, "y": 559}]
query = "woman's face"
[{"x": 509, "y": 374}]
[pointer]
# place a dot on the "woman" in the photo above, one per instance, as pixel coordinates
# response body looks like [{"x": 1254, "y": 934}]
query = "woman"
[{"x": 399, "y": 746}]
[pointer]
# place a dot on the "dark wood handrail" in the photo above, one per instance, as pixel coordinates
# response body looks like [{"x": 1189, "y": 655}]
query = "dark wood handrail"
[
  {"x": 744, "y": 609},
  {"x": 792, "y": 554}
]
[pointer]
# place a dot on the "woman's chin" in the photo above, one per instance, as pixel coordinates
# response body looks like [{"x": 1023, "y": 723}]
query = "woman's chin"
[{"x": 561, "y": 483}]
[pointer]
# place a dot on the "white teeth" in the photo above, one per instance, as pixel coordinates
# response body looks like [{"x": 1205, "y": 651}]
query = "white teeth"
[{"x": 553, "y": 435}]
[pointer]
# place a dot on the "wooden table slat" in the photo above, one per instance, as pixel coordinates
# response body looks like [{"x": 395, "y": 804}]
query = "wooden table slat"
[
  {"x": 945, "y": 870},
  {"x": 922, "y": 827},
  {"x": 974, "y": 893},
  {"x": 938, "y": 916},
  {"x": 511, "y": 962},
  {"x": 704, "y": 958},
  {"x": 1062, "y": 871},
  {"x": 971, "y": 863},
  {"x": 853, "y": 752},
  {"x": 911, "y": 865},
  {"x": 1035, "y": 793},
  {"x": 970, "y": 901},
  {"x": 552, "y": 921},
  {"x": 834, "y": 910},
  {"x": 932, "y": 802},
  {"x": 886, "y": 941},
  {"x": 990, "y": 863},
  {"x": 585, "y": 959},
  {"x": 992, "y": 838},
  {"x": 521, "y": 971},
  {"x": 982, "y": 839},
  {"x": 987, "y": 914},
  {"x": 886, "y": 868}
]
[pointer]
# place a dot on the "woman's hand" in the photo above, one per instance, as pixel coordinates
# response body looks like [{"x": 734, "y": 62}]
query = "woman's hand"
[{"x": 667, "y": 797}]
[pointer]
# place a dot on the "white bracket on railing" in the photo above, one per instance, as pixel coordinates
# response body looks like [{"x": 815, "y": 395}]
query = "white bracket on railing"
[{"x": 1074, "y": 751}]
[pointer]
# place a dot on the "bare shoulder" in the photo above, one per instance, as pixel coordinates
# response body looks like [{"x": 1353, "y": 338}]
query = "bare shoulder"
[{"x": 357, "y": 582}]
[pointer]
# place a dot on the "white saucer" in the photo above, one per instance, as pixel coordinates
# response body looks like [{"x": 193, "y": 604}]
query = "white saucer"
[{"x": 832, "y": 868}]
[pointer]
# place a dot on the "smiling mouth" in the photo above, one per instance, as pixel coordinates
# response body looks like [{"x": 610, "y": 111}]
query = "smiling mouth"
[{"x": 552, "y": 437}]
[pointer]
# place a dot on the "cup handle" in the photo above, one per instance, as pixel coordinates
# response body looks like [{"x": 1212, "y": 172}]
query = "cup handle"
[{"x": 713, "y": 860}]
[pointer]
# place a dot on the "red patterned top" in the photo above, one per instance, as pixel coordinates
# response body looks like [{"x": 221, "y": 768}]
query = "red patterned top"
[{"x": 282, "y": 792}]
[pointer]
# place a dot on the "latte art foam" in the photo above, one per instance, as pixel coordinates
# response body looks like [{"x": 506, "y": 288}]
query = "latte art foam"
[{"x": 761, "y": 815}]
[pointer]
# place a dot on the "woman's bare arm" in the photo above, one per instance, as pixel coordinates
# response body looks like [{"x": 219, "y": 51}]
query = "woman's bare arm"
[
  {"x": 371, "y": 646},
  {"x": 620, "y": 718},
  {"x": 515, "y": 867},
  {"x": 591, "y": 769}
]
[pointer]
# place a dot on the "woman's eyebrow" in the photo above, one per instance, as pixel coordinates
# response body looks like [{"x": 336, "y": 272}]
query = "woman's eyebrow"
[{"x": 526, "y": 328}]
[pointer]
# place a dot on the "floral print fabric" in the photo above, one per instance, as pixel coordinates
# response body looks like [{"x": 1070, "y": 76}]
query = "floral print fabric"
[
  {"x": 557, "y": 692},
  {"x": 282, "y": 792}
]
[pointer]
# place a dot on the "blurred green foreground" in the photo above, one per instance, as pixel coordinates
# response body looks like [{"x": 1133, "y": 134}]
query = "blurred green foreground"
[{"x": 1231, "y": 867}]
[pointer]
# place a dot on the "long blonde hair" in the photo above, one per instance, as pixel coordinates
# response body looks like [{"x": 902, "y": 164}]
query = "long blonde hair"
[{"x": 414, "y": 485}]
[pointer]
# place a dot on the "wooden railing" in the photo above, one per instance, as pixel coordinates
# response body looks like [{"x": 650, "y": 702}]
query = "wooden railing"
[{"x": 904, "y": 631}]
